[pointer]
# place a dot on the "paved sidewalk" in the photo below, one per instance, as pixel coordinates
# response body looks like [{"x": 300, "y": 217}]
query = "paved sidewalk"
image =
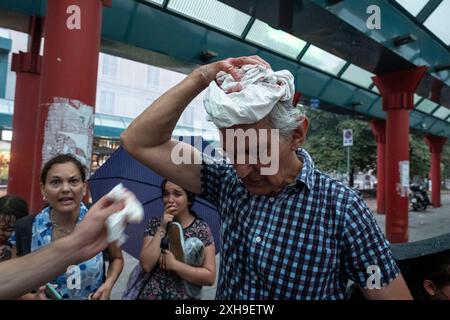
[{"x": 425, "y": 224}]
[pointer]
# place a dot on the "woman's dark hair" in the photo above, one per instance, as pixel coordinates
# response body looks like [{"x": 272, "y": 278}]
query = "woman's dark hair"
[
  {"x": 190, "y": 196},
  {"x": 60, "y": 159},
  {"x": 13, "y": 206}
]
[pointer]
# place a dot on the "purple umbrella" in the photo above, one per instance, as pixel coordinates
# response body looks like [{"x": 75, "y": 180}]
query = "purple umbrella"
[{"x": 121, "y": 167}]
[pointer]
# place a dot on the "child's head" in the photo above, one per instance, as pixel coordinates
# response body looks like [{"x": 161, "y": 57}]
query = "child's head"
[
  {"x": 436, "y": 283},
  {"x": 12, "y": 208}
]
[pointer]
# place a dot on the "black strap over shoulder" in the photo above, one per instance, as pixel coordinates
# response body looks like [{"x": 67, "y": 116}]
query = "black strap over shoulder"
[{"x": 23, "y": 235}]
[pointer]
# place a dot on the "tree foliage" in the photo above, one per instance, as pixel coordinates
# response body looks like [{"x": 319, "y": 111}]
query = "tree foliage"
[{"x": 324, "y": 143}]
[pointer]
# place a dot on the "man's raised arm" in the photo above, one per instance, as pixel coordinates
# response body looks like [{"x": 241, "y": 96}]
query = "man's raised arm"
[{"x": 149, "y": 137}]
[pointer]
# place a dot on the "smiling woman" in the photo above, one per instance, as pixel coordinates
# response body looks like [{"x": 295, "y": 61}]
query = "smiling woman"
[{"x": 63, "y": 185}]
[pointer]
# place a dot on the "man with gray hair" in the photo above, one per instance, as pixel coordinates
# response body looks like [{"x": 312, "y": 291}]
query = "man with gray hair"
[{"x": 288, "y": 233}]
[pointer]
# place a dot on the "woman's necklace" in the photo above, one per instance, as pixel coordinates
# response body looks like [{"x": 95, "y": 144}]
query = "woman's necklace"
[{"x": 57, "y": 227}]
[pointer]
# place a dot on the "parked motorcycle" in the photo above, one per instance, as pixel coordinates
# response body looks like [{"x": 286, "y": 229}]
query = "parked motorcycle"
[{"x": 418, "y": 198}]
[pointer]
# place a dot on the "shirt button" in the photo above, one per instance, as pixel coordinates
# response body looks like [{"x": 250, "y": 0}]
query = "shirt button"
[
  {"x": 258, "y": 239},
  {"x": 271, "y": 199}
]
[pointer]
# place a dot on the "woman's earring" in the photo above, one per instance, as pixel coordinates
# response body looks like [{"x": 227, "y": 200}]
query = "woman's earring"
[{"x": 44, "y": 198}]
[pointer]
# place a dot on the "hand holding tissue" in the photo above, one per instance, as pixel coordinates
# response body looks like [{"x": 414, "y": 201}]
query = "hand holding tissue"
[{"x": 132, "y": 213}]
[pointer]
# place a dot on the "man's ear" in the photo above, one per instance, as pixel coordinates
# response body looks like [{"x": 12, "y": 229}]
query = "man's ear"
[
  {"x": 299, "y": 135},
  {"x": 429, "y": 287}
]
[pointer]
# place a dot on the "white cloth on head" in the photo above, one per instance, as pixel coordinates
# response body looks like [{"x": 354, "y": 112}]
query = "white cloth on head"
[
  {"x": 261, "y": 89},
  {"x": 132, "y": 213}
]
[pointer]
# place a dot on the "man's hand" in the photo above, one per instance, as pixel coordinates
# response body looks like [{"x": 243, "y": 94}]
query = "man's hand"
[
  {"x": 91, "y": 234},
  {"x": 231, "y": 66}
]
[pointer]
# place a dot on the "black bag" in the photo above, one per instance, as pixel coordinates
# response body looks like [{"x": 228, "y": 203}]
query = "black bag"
[{"x": 23, "y": 235}]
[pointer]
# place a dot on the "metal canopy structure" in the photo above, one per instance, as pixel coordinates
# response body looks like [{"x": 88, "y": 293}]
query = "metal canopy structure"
[{"x": 329, "y": 49}]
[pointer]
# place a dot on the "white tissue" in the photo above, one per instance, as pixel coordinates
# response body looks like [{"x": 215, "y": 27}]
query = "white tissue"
[
  {"x": 262, "y": 88},
  {"x": 132, "y": 213}
]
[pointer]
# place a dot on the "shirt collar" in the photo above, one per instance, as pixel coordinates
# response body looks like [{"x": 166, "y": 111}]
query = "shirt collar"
[{"x": 305, "y": 175}]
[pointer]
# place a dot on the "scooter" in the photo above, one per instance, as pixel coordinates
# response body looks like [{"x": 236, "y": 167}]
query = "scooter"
[{"x": 418, "y": 198}]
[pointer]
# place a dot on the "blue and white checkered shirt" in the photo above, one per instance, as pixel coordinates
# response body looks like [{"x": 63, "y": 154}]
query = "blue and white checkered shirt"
[{"x": 304, "y": 243}]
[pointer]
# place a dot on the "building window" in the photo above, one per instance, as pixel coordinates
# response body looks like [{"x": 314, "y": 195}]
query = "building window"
[
  {"x": 152, "y": 76},
  {"x": 109, "y": 66},
  {"x": 107, "y": 102}
]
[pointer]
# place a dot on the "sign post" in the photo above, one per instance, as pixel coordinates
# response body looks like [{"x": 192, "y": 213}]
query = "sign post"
[{"x": 347, "y": 136}]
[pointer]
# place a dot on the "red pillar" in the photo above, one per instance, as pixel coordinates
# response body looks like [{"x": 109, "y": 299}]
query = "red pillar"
[
  {"x": 27, "y": 66},
  {"x": 68, "y": 85},
  {"x": 379, "y": 132},
  {"x": 435, "y": 144},
  {"x": 397, "y": 89}
]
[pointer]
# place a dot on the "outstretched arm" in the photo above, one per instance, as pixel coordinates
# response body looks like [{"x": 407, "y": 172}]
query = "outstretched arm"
[{"x": 24, "y": 274}]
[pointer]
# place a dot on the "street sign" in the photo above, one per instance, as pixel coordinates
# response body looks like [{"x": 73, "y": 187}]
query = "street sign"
[{"x": 347, "y": 136}]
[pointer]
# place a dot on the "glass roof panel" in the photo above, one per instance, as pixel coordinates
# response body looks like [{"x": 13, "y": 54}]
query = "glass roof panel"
[
  {"x": 375, "y": 89},
  {"x": 213, "y": 13},
  {"x": 358, "y": 76},
  {"x": 439, "y": 23},
  {"x": 426, "y": 106},
  {"x": 416, "y": 98},
  {"x": 282, "y": 42},
  {"x": 158, "y": 2},
  {"x": 413, "y": 6},
  {"x": 323, "y": 60},
  {"x": 442, "y": 113}
]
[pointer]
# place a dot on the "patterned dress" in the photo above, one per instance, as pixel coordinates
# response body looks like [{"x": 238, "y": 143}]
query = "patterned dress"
[
  {"x": 5, "y": 252},
  {"x": 79, "y": 281},
  {"x": 166, "y": 285}
]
